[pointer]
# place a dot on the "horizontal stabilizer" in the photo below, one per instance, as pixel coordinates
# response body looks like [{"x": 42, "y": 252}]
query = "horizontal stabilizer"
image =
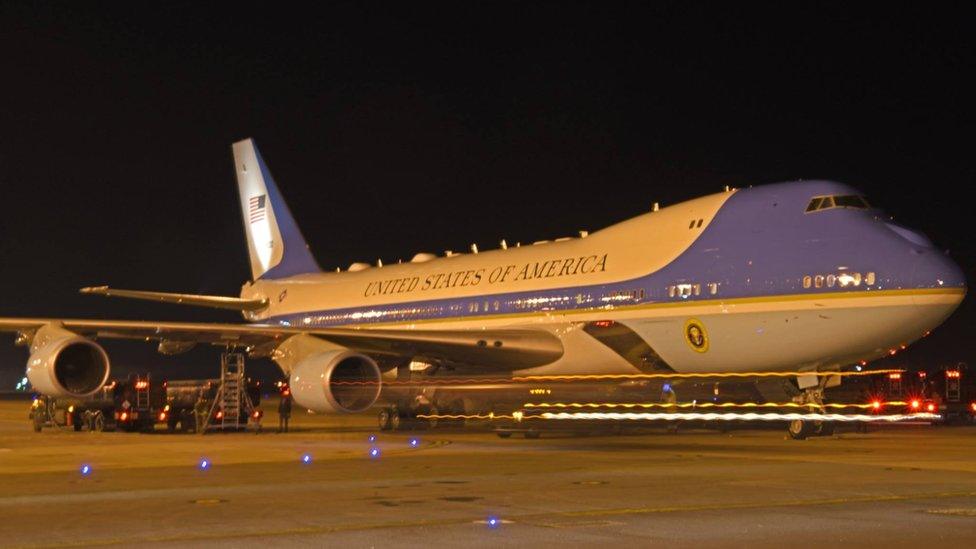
[{"x": 212, "y": 301}]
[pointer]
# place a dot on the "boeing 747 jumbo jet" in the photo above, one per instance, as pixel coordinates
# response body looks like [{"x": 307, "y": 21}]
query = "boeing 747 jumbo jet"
[{"x": 803, "y": 276}]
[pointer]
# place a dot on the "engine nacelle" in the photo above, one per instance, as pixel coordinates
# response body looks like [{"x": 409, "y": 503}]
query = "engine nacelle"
[
  {"x": 336, "y": 381},
  {"x": 65, "y": 364}
]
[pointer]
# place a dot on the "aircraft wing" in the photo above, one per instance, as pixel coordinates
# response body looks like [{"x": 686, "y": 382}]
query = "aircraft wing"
[{"x": 503, "y": 349}]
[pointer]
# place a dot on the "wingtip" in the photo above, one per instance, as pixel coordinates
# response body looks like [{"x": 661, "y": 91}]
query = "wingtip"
[{"x": 93, "y": 290}]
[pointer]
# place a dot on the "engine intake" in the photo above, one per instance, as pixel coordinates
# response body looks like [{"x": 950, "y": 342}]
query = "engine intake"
[
  {"x": 338, "y": 381},
  {"x": 65, "y": 364}
]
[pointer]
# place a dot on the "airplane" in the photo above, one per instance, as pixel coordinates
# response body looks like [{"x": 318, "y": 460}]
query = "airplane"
[{"x": 801, "y": 276}]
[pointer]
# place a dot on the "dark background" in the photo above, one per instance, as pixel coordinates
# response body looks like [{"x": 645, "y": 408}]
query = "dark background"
[{"x": 428, "y": 127}]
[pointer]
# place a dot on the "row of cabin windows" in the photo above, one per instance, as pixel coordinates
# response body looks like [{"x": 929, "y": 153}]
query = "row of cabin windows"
[
  {"x": 843, "y": 280},
  {"x": 837, "y": 201},
  {"x": 476, "y": 306},
  {"x": 688, "y": 290},
  {"x": 629, "y": 294}
]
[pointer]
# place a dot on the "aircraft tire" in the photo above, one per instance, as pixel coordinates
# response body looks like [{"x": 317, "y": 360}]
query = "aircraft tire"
[
  {"x": 384, "y": 419},
  {"x": 431, "y": 422},
  {"x": 825, "y": 429},
  {"x": 800, "y": 430}
]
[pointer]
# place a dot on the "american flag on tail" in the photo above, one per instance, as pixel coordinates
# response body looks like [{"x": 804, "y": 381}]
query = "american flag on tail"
[{"x": 256, "y": 208}]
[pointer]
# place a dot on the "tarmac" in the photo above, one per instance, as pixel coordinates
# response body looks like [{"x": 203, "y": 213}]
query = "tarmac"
[{"x": 901, "y": 486}]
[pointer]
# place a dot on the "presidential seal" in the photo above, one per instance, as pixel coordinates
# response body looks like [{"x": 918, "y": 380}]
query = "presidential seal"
[{"x": 695, "y": 335}]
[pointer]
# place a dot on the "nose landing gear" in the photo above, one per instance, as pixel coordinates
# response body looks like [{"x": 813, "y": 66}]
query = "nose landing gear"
[{"x": 800, "y": 429}]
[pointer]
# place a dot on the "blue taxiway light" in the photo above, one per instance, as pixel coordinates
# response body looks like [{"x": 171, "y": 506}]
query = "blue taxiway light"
[
  {"x": 371, "y": 438},
  {"x": 306, "y": 459},
  {"x": 374, "y": 452},
  {"x": 204, "y": 464},
  {"x": 494, "y": 522},
  {"x": 85, "y": 469},
  {"x": 414, "y": 442}
]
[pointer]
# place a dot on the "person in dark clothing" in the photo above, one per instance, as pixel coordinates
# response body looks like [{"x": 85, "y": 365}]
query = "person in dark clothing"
[{"x": 284, "y": 411}]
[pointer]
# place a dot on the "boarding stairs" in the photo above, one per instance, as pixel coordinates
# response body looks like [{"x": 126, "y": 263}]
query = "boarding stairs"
[{"x": 232, "y": 407}]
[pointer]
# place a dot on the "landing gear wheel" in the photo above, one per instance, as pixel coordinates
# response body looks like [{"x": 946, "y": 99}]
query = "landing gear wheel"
[
  {"x": 432, "y": 421},
  {"x": 38, "y": 422},
  {"x": 99, "y": 423},
  {"x": 825, "y": 429},
  {"x": 394, "y": 420},
  {"x": 455, "y": 408},
  {"x": 800, "y": 430},
  {"x": 384, "y": 419}
]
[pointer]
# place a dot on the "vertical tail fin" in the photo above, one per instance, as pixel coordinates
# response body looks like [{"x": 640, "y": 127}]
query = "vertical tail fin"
[{"x": 274, "y": 243}]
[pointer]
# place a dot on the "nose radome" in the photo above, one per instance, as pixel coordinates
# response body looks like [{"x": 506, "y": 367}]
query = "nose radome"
[{"x": 937, "y": 270}]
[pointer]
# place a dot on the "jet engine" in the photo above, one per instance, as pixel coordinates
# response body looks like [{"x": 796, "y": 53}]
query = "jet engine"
[
  {"x": 336, "y": 381},
  {"x": 65, "y": 364}
]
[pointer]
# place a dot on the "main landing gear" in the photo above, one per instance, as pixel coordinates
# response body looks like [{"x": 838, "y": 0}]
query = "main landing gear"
[{"x": 392, "y": 418}]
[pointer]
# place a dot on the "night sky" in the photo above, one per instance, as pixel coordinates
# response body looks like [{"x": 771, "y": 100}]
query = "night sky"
[{"x": 432, "y": 126}]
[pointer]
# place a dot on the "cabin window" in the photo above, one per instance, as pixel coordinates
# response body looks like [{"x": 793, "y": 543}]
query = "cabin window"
[
  {"x": 692, "y": 224},
  {"x": 831, "y": 279},
  {"x": 869, "y": 278},
  {"x": 671, "y": 291},
  {"x": 807, "y": 281},
  {"x": 700, "y": 223},
  {"x": 857, "y": 279},
  {"x": 713, "y": 288},
  {"x": 697, "y": 289},
  {"x": 818, "y": 281}
]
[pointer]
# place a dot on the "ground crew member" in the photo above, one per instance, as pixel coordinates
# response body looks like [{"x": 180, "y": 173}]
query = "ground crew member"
[
  {"x": 284, "y": 410},
  {"x": 200, "y": 414},
  {"x": 671, "y": 399}
]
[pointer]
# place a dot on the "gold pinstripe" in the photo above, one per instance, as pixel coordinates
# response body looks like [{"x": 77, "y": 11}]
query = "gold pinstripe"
[{"x": 699, "y": 303}]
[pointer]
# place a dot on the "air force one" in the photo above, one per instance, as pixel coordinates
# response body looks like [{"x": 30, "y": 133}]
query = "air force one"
[{"x": 801, "y": 276}]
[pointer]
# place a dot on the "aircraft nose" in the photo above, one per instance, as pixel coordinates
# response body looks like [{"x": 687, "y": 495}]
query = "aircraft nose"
[{"x": 937, "y": 270}]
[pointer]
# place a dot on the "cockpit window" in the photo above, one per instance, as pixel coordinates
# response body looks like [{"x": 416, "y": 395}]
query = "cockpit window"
[{"x": 838, "y": 201}]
